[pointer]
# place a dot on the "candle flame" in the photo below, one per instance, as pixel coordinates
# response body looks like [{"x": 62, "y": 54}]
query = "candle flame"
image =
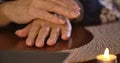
[{"x": 106, "y": 53}]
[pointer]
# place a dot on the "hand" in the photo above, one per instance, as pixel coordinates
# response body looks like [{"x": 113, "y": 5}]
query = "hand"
[
  {"x": 39, "y": 31},
  {"x": 24, "y": 11}
]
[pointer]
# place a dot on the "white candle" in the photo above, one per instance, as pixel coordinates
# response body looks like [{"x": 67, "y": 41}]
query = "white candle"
[{"x": 106, "y": 57}]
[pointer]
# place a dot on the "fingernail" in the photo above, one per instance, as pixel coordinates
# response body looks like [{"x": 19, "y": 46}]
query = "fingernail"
[
  {"x": 29, "y": 43},
  {"x": 19, "y": 32},
  {"x": 78, "y": 13},
  {"x": 74, "y": 14},
  {"x": 51, "y": 43},
  {"x": 39, "y": 44},
  {"x": 65, "y": 37}
]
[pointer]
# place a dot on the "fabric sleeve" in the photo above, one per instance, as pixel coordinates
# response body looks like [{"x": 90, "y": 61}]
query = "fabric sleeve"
[{"x": 100, "y": 11}]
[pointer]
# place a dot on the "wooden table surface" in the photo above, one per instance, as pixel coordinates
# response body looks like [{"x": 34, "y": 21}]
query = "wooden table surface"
[
  {"x": 8, "y": 40},
  {"x": 80, "y": 37}
]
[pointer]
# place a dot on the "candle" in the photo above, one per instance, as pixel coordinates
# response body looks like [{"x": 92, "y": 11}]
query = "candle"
[{"x": 106, "y": 57}]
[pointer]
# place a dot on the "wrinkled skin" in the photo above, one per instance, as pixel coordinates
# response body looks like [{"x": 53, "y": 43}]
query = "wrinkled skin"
[
  {"x": 38, "y": 31},
  {"x": 27, "y": 10}
]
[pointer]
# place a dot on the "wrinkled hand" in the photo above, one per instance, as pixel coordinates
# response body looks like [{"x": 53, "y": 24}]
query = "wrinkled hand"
[
  {"x": 39, "y": 31},
  {"x": 24, "y": 11}
]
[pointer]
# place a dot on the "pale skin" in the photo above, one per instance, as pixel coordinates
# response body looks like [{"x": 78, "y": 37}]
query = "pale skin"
[
  {"x": 37, "y": 10},
  {"x": 27, "y": 10},
  {"x": 38, "y": 31}
]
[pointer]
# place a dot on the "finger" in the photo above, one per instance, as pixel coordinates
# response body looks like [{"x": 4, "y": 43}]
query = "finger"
[
  {"x": 53, "y": 7},
  {"x": 54, "y": 35},
  {"x": 33, "y": 33},
  {"x": 66, "y": 30},
  {"x": 73, "y": 3},
  {"x": 43, "y": 34},
  {"x": 65, "y": 4},
  {"x": 46, "y": 16},
  {"x": 23, "y": 32}
]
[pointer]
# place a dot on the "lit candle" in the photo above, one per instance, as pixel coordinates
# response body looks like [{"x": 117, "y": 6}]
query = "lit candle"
[{"x": 106, "y": 57}]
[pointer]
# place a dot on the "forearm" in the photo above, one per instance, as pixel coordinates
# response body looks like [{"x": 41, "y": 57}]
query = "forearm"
[{"x": 3, "y": 19}]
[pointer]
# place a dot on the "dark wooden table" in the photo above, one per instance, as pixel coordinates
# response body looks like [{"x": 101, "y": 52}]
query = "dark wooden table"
[
  {"x": 9, "y": 41},
  {"x": 80, "y": 36}
]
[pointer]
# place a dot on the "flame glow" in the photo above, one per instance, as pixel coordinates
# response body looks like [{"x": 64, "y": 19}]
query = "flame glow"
[{"x": 106, "y": 53}]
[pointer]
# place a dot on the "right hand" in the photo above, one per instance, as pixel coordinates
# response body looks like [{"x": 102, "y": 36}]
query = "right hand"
[
  {"x": 24, "y": 11},
  {"x": 40, "y": 31}
]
